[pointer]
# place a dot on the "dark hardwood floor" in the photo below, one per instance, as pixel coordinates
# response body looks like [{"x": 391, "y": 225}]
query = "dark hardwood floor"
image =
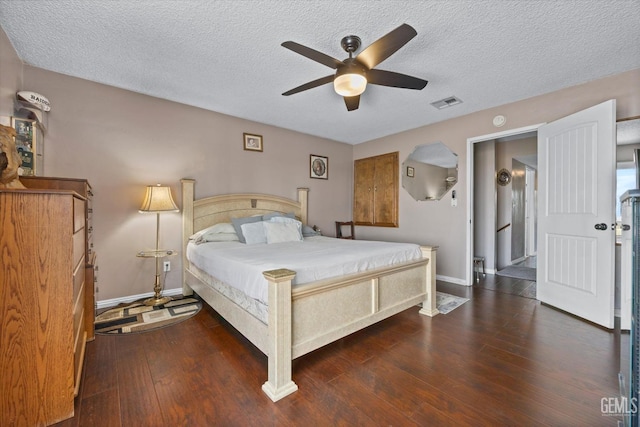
[{"x": 497, "y": 360}]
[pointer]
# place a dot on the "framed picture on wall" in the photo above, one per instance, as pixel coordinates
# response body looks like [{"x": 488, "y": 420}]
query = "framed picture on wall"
[
  {"x": 410, "y": 172},
  {"x": 252, "y": 142},
  {"x": 319, "y": 167},
  {"x": 25, "y": 144}
]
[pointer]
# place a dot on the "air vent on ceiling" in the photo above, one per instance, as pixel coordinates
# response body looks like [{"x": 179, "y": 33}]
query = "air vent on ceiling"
[{"x": 447, "y": 102}]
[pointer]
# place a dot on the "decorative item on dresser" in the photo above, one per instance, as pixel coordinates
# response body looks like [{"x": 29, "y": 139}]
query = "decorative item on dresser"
[
  {"x": 46, "y": 301},
  {"x": 10, "y": 160}
]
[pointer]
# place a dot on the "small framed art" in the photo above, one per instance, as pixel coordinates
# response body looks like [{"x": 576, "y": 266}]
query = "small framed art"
[
  {"x": 410, "y": 172},
  {"x": 252, "y": 142},
  {"x": 319, "y": 167}
]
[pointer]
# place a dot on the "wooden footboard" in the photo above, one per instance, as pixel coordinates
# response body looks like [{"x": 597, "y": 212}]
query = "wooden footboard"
[{"x": 311, "y": 315}]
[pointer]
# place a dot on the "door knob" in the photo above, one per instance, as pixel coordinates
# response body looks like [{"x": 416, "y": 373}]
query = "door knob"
[
  {"x": 601, "y": 226},
  {"x": 626, "y": 227}
]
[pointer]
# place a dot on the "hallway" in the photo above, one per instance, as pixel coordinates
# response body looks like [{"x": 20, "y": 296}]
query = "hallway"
[{"x": 510, "y": 285}]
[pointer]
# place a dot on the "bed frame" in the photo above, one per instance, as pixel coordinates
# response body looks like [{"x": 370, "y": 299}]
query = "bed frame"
[{"x": 311, "y": 315}]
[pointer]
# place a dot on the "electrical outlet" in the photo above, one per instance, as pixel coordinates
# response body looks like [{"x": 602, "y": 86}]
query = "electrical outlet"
[{"x": 167, "y": 266}]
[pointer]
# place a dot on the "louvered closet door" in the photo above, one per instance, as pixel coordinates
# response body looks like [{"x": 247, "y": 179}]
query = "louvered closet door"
[
  {"x": 364, "y": 170},
  {"x": 386, "y": 191}
]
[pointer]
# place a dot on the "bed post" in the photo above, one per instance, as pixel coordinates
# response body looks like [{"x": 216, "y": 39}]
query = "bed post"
[
  {"x": 187, "y": 227},
  {"x": 429, "y": 307},
  {"x": 303, "y": 199},
  {"x": 279, "y": 383}
]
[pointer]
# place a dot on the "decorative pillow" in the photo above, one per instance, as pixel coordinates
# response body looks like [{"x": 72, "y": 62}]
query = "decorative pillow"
[
  {"x": 288, "y": 220},
  {"x": 237, "y": 225},
  {"x": 278, "y": 232},
  {"x": 269, "y": 216},
  {"x": 254, "y": 233}
]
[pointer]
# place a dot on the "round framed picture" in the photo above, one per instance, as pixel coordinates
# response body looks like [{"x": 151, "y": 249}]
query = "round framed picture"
[{"x": 319, "y": 167}]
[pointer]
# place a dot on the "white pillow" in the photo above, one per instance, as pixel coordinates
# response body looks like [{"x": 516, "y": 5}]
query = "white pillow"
[
  {"x": 219, "y": 237},
  {"x": 278, "y": 232},
  {"x": 288, "y": 220},
  {"x": 254, "y": 232},
  {"x": 210, "y": 234}
]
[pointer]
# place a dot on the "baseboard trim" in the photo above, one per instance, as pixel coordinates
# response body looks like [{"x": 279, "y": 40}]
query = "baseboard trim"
[
  {"x": 107, "y": 303},
  {"x": 453, "y": 280}
]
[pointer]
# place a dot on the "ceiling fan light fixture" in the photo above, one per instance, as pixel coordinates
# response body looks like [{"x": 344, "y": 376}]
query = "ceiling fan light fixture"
[{"x": 352, "y": 84}]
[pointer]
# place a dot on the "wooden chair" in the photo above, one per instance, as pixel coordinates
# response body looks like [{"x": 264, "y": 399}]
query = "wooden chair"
[{"x": 339, "y": 226}]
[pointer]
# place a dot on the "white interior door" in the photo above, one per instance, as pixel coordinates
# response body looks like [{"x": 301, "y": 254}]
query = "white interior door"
[{"x": 576, "y": 241}]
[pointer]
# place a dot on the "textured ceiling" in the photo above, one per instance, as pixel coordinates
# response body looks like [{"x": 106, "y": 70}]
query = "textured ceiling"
[{"x": 225, "y": 56}]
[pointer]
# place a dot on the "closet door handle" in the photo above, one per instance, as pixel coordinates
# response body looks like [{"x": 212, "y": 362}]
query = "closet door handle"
[{"x": 601, "y": 226}]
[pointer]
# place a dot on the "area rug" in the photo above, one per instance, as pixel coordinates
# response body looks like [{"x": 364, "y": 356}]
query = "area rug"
[
  {"x": 518, "y": 272},
  {"x": 137, "y": 317},
  {"x": 446, "y": 303}
]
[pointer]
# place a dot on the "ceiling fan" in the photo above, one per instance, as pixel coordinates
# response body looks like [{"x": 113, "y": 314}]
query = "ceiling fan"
[{"x": 353, "y": 74}]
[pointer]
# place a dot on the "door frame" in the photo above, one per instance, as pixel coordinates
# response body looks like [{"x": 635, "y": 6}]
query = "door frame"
[
  {"x": 470, "y": 186},
  {"x": 530, "y": 248}
]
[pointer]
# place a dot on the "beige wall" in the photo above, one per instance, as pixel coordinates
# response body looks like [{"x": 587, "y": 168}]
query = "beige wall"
[
  {"x": 10, "y": 77},
  {"x": 438, "y": 223},
  {"x": 122, "y": 141}
]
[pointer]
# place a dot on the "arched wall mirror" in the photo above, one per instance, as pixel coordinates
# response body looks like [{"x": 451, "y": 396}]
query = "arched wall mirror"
[{"x": 430, "y": 171}]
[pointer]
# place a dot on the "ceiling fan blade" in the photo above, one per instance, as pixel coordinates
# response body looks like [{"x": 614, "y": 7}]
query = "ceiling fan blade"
[
  {"x": 313, "y": 54},
  {"x": 390, "y": 78},
  {"x": 352, "y": 102},
  {"x": 386, "y": 46},
  {"x": 310, "y": 85}
]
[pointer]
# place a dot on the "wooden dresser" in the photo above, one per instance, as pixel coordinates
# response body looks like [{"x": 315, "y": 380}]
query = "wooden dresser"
[
  {"x": 46, "y": 318},
  {"x": 83, "y": 188}
]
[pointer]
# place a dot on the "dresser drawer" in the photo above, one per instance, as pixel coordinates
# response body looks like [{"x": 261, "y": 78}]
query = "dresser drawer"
[
  {"x": 78, "y": 354},
  {"x": 78, "y": 248},
  {"x": 79, "y": 275},
  {"x": 78, "y": 311},
  {"x": 78, "y": 214}
]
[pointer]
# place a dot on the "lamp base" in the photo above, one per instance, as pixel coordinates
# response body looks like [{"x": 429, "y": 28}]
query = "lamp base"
[{"x": 153, "y": 301}]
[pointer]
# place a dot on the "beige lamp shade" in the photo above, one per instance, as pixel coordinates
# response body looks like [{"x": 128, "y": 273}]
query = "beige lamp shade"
[{"x": 158, "y": 199}]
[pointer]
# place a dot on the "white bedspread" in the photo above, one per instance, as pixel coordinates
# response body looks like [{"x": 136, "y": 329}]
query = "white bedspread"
[{"x": 315, "y": 258}]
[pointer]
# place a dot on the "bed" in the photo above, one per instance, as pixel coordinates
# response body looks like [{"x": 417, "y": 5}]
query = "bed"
[{"x": 300, "y": 317}]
